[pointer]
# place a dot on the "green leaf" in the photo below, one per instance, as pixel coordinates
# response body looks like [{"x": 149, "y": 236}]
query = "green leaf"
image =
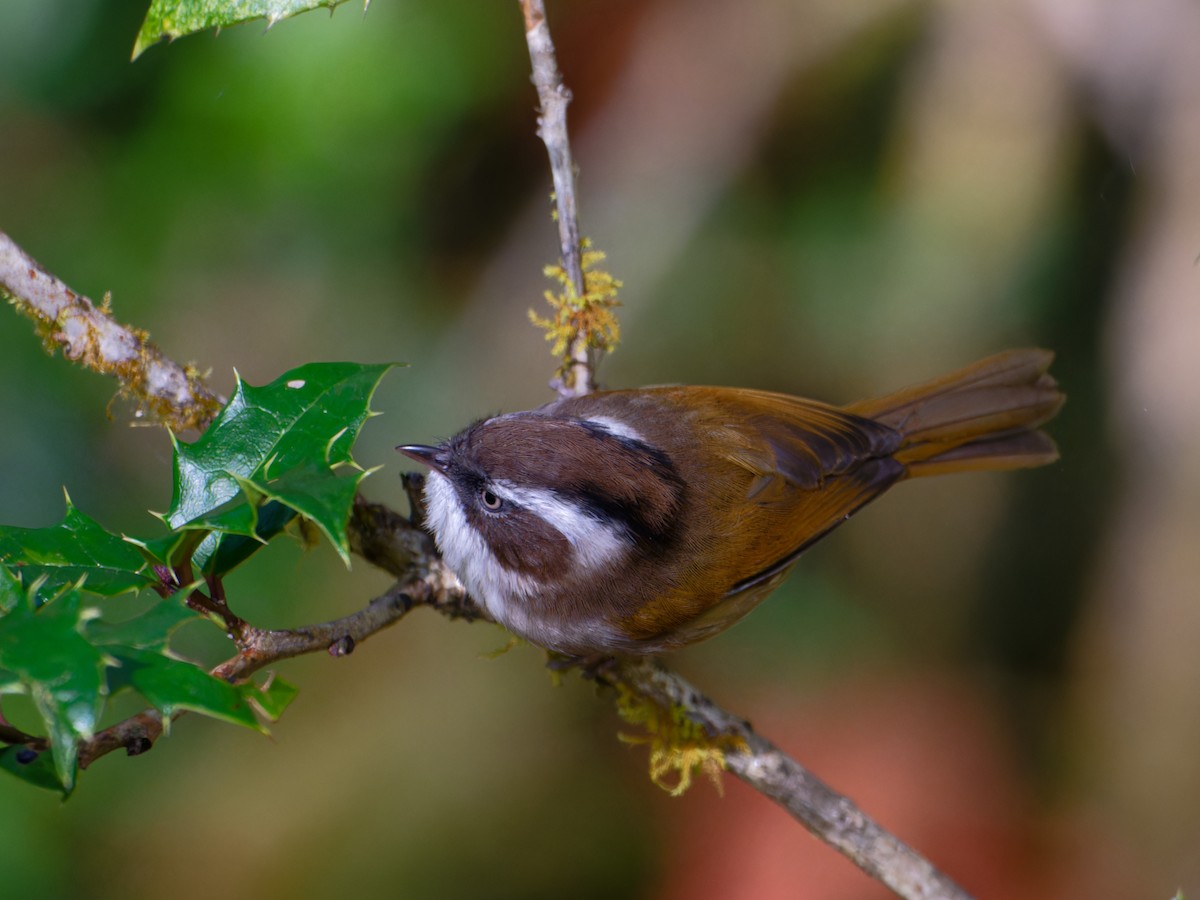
[
  {"x": 265, "y": 508},
  {"x": 280, "y": 444},
  {"x": 310, "y": 415},
  {"x": 274, "y": 453},
  {"x": 274, "y": 697},
  {"x": 32, "y": 767},
  {"x": 323, "y": 500},
  {"x": 151, "y": 630},
  {"x": 175, "y": 18},
  {"x": 144, "y": 662},
  {"x": 172, "y": 684},
  {"x": 63, "y": 672},
  {"x": 170, "y": 549},
  {"x": 74, "y": 549},
  {"x": 221, "y": 554}
]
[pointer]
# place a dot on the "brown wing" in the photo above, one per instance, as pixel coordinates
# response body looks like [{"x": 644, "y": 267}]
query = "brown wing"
[{"x": 809, "y": 467}]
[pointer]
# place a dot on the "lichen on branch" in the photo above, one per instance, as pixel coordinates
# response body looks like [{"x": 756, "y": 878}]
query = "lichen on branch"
[{"x": 588, "y": 318}]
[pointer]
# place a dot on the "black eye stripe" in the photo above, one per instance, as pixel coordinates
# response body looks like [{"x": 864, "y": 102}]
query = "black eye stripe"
[{"x": 628, "y": 519}]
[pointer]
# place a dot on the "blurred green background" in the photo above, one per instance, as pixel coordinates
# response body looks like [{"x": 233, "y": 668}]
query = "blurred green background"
[{"x": 826, "y": 199}]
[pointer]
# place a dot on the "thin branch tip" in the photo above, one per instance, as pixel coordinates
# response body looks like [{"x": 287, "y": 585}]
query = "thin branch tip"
[{"x": 553, "y": 98}]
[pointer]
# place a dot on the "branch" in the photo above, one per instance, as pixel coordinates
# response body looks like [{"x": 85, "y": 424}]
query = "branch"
[
  {"x": 388, "y": 540},
  {"x": 88, "y": 335},
  {"x": 830, "y": 816},
  {"x": 259, "y": 648},
  {"x": 553, "y": 98}
]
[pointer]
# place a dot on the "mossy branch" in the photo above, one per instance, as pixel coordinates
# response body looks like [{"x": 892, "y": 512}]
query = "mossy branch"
[
  {"x": 577, "y": 376},
  {"x": 87, "y": 334},
  {"x": 679, "y": 746}
]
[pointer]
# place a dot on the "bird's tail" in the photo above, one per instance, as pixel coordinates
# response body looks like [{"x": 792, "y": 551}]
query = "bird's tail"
[{"x": 985, "y": 416}]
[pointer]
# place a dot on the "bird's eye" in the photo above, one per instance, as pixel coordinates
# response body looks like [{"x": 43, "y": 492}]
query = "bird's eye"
[{"x": 490, "y": 500}]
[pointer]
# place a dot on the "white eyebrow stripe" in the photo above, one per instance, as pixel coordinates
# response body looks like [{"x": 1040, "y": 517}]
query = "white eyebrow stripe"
[
  {"x": 596, "y": 543},
  {"x": 616, "y": 427}
]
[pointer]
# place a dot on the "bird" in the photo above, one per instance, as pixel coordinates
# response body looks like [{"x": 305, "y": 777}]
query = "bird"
[{"x": 639, "y": 521}]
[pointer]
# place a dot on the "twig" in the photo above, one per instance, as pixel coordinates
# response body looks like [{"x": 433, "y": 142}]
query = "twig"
[
  {"x": 378, "y": 534},
  {"x": 257, "y": 649},
  {"x": 134, "y": 735},
  {"x": 89, "y": 336},
  {"x": 391, "y": 542},
  {"x": 11, "y": 735},
  {"x": 260, "y": 648},
  {"x": 553, "y": 99}
]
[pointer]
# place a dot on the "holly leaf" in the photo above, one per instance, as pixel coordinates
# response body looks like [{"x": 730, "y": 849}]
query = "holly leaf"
[
  {"x": 170, "y": 549},
  {"x": 175, "y": 18},
  {"x": 140, "y": 648},
  {"x": 323, "y": 500},
  {"x": 151, "y": 630},
  {"x": 219, "y": 556},
  {"x": 42, "y": 644},
  {"x": 171, "y": 685},
  {"x": 75, "y": 551},
  {"x": 272, "y": 453},
  {"x": 274, "y": 697},
  {"x": 70, "y": 662},
  {"x": 265, "y": 508}
]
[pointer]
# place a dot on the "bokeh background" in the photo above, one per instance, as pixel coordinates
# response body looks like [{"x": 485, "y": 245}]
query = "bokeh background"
[{"x": 832, "y": 199}]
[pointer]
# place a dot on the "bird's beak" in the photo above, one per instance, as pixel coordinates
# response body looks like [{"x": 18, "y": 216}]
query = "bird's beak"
[{"x": 434, "y": 457}]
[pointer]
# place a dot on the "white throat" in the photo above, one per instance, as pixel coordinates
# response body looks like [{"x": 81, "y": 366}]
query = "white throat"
[{"x": 467, "y": 553}]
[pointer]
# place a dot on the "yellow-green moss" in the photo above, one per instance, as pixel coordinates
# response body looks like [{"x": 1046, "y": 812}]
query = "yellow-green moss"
[
  {"x": 680, "y": 748},
  {"x": 589, "y": 316}
]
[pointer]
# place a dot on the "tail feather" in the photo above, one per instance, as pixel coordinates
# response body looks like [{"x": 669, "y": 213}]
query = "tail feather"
[{"x": 985, "y": 416}]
